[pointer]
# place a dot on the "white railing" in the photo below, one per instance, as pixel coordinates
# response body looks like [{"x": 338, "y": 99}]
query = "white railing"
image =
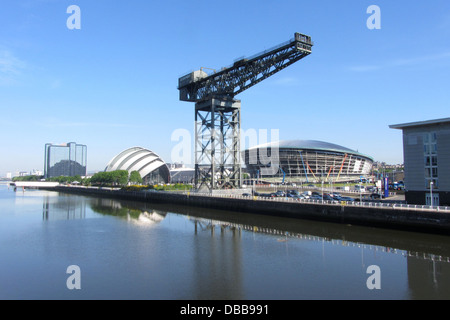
[{"x": 380, "y": 205}]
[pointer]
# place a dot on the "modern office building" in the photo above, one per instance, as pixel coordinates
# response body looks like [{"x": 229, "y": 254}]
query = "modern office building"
[
  {"x": 68, "y": 159},
  {"x": 150, "y": 166},
  {"x": 426, "y": 150},
  {"x": 181, "y": 174},
  {"x": 305, "y": 161}
]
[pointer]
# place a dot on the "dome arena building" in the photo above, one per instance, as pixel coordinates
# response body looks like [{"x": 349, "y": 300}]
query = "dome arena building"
[
  {"x": 306, "y": 161},
  {"x": 151, "y": 167}
]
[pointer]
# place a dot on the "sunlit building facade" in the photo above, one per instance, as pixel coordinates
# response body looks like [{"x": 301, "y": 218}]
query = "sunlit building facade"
[
  {"x": 151, "y": 167},
  {"x": 426, "y": 152},
  {"x": 305, "y": 161}
]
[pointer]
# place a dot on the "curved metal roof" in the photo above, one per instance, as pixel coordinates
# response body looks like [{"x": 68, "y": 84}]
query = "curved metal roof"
[
  {"x": 309, "y": 145},
  {"x": 136, "y": 159}
]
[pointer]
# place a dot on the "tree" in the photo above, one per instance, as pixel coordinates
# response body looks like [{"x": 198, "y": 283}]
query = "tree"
[
  {"x": 135, "y": 177},
  {"x": 120, "y": 177}
]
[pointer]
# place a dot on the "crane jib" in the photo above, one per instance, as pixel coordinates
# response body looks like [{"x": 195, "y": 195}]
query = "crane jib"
[{"x": 245, "y": 72}]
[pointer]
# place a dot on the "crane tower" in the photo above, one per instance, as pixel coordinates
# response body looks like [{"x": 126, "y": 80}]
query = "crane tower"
[{"x": 218, "y": 113}]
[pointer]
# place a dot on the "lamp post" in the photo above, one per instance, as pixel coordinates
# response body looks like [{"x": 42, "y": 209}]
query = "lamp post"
[
  {"x": 321, "y": 169},
  {"x": 360, "y": 189},
  {"x": 431, "y": 194}
]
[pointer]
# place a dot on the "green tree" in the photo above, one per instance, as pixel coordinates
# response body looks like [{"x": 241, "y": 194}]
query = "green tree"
[
  {"x": 135, "y": 177},
  {"x": 120, "y": 177},
  {"x": 115, "y": 178}
]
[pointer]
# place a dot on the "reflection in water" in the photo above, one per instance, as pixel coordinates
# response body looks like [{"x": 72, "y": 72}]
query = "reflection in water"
[
  {"x": 219, "y": 263},
  {"x": 427, "y": 256},
  {"x": 428, "y": 273},
  {"x": 285, "y": 235},
  {"x": 63, "y": 207},
  {"x": 71, "y": 207},
  {"x": 137, "y": 213},
  {"x": 219, "y": 252}
]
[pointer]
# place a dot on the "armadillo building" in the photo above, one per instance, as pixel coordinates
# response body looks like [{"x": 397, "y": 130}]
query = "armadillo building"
[
  {"x": 303, "y": 161},
  {"x": 150, "y": 166}
]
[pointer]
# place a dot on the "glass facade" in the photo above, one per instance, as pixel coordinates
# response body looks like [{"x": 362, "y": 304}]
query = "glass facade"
[{"x": 68, "y": 160}]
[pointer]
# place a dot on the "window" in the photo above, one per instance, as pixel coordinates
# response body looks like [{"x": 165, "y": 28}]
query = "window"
[
  {"x": 435, "y": 202},
  {"x": 434, "y": 161},
  {"x": 434, "y": 148},
  {"x": 430, "y": 160},
  {"x": 434, "y": 172},
  {"x": 433, "y": 137}
]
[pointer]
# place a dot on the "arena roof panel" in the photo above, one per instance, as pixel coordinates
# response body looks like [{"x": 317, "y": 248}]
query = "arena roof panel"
[{"x": 309, "y": 145}]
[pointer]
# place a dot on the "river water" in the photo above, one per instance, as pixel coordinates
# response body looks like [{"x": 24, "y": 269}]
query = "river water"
[{"x": 128, "y": 250}]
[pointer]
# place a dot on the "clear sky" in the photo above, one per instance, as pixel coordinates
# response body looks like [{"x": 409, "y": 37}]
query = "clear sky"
[{"x": 113, "y": 83}]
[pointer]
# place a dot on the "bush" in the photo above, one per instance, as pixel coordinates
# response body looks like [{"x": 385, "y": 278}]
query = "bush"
[
  {"x": 118, "y": 177},
  {"x": 135, "y": 188}
]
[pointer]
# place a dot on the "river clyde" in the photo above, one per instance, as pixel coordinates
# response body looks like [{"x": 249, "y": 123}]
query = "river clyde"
[{"x": 133, "y": 250}]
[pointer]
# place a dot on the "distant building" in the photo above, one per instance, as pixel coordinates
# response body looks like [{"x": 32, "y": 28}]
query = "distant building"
[
  {"x": 179, "y": 173},
  {"x": 426, "y": 149},
  {"x": 23, "y": 173},
  {"x": 68, "y": 159},
  {"x": 35, "y": 172}
]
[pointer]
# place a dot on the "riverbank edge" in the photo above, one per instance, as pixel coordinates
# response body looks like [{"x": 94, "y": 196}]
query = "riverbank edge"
[{"x": 378, "y": 217}]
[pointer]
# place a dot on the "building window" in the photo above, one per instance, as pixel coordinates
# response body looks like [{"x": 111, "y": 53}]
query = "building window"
[
  {"x": 435, "y": 202},
  {"x": 431, "y": 160}
]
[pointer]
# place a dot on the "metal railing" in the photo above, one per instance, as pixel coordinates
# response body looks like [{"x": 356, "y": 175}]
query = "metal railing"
[
  {"x": 381, "y": 205},
  {"x": 364, "y": 204}
]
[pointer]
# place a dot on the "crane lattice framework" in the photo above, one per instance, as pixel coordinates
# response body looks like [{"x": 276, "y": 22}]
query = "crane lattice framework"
[{"x": 218, "y": 113}]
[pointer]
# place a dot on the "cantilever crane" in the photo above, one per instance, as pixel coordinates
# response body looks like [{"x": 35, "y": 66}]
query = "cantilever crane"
[{"x": 217, "y": 113}]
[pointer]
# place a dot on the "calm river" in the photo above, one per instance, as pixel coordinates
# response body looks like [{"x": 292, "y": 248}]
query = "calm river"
[{"x": 123, "y": 250}]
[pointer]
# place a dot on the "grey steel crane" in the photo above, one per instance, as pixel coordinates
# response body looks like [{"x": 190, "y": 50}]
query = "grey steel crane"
[{"x": 217, "y": 112}]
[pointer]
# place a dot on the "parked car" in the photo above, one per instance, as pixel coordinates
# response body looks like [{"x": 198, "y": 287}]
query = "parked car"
[
  {"x": 267, "y": 195},
  {"x": 292, "y": 195},
  {"x": 335, "y": 194},
  {"x": 306, "y": 194},
  {"x": 327, "y": 197},
  {"x": 280, "y": 193}
]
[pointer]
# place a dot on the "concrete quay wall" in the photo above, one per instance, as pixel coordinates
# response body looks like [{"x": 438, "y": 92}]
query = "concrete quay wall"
[{"x": 381, "y": 217}]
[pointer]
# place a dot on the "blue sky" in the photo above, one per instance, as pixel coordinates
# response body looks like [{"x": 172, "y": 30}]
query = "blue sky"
[{"x": 113, "y": 83}]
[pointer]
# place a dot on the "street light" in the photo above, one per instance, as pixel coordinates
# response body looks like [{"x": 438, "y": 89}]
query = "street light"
[
  {"x": 321, "y": 178},
  {"x": 431, "y": 193},
  {"x": 360, "y": 189}
]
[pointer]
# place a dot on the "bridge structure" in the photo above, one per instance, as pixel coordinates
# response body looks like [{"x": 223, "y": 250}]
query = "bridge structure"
[
  {"x": 33, "y": 184},
  {"x": 218, "y": 112}
]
